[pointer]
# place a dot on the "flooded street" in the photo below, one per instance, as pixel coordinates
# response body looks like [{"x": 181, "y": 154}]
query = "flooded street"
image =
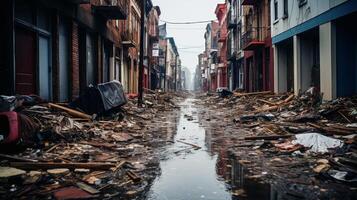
[{"x": 188, "y": 172}]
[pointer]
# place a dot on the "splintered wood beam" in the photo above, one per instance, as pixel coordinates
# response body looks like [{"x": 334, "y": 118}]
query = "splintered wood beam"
[
  {"x": 72, "y": 112},
  {"x": 52, "y": 165},
  {"x": 268, "y": 137}
]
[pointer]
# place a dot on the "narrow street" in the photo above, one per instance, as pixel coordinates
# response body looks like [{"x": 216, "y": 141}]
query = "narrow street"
[
  {"x": 178, "y": 100},
  {"x": 181, "y": 164}
]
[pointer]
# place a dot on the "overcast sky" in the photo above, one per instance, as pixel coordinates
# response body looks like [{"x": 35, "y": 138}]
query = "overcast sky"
[{"x": 188, "y": 38}]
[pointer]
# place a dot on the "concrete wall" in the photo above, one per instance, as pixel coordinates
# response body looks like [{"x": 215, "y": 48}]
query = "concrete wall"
[{"x": 298, "y": 15}]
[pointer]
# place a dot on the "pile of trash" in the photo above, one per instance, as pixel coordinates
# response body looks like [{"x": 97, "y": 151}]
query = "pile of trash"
[
  {"x": 298, "y": 139},
  {"x": 95, "y": 147}
]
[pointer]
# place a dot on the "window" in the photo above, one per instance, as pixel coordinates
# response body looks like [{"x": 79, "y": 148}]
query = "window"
[
  {"x": 286, "y": 7},
  {"x": 275, "y": 10}
]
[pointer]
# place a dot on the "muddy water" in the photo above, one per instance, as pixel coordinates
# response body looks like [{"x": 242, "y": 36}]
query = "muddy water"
[{"x": 186, "y": 172}]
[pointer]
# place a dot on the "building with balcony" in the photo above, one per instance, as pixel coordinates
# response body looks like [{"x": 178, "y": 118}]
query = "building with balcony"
[
  {"x": 222, "y": 36},
  {"x": 210, "y": 57},
  {"x": 315, "y": 45},
  {"x": 235, "y": 53},
  {"x": 130, "y": 40},
  {"x": 257, "y": 45}
]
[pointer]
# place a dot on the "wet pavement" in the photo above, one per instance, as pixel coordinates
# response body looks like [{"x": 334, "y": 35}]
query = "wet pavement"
[
  {"x": 228, "y": 167},
  {"x": 188, "y": 172}
]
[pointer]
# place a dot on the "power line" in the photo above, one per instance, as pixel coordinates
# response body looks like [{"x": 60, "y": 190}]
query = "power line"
[
  {"x": 194, "y": 52},
  {"x": 189, "y": 22},
  {"x": 188, "y": 29},
  {"x": 193, "y": 47}
]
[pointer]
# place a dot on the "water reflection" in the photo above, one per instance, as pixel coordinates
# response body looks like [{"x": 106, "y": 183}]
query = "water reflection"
[
  {"x": 209, "y": 173},
  {"x": 190, "y": 174}
]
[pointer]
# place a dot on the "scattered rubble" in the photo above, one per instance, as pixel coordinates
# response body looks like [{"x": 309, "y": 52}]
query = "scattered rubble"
[
  {"x": 292, "y": 143},
  {"x": 67, "y": 153}
]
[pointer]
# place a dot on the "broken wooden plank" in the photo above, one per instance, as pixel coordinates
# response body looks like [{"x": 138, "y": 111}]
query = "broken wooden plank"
[
  {"x": 99, "y": 145},
  {"x": 287, "y": 100},
  {"x": 72, "y": 112},
  {"x": 252, "y": 93},
  {"x": 122, "y": 163},
  {"x": 194, "y": 145},
  {"x": 133, "y": 176},
  {"x": 268, "y": 137},
  {"x": 266, "y": 102},
  {"x": 52, "y": 165},
  {"x": 266, "y": 109},
  {"x": 16, "y": 158},
  {"x": 331, "y": 130},
  {"x": 52, "y": 148},
  {"x": 87, "y": 188}
]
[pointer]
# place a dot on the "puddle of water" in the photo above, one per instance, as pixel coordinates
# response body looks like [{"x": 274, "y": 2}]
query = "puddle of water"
[{"x": 189, "y": 174}]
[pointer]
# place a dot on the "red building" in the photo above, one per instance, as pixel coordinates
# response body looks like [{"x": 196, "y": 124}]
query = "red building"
[
  {"x": 257, "y": 46},
  {"x": 222, "y": 35}
]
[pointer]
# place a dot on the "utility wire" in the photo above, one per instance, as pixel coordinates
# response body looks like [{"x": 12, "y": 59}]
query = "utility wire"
[
  {"x": 193, "y": 47},
  {"x": 189, "y": 22}
]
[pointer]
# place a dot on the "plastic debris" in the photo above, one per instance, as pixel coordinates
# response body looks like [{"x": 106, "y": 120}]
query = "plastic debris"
[{"x": 317, "y": 143}]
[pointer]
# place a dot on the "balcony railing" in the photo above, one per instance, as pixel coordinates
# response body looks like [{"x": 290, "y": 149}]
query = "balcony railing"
[
  {"x": 254, "y": 38},
  {"x": 112, "y": 9}
]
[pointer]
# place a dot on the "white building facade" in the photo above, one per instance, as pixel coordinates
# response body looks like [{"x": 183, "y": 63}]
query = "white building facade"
[{"x": 315, "y": 45}]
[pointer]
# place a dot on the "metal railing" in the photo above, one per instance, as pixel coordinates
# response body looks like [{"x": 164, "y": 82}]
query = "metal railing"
[{"x": 257, "y": 34}]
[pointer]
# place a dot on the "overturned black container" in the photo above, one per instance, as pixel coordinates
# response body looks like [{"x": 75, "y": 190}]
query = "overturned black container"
[{"x": 101, "y": 99}]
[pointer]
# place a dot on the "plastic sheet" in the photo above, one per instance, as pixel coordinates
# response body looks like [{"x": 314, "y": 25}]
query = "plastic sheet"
[{"x": 317, "y": 142}]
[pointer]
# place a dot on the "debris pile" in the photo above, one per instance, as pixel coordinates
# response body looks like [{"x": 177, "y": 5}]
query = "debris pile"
[
  {"x": 58, "y": 151},
  {"x": 297, "y": 141}
]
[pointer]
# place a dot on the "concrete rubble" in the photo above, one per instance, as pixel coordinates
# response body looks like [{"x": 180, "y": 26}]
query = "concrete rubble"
[{"x": 65, "y": 154}]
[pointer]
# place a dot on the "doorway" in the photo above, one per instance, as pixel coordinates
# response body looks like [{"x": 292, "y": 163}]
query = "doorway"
[{"x": 25, "y": 58}]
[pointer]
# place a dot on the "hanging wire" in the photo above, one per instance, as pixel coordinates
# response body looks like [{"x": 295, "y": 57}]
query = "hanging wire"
[{"x": 190, "y": 22}]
